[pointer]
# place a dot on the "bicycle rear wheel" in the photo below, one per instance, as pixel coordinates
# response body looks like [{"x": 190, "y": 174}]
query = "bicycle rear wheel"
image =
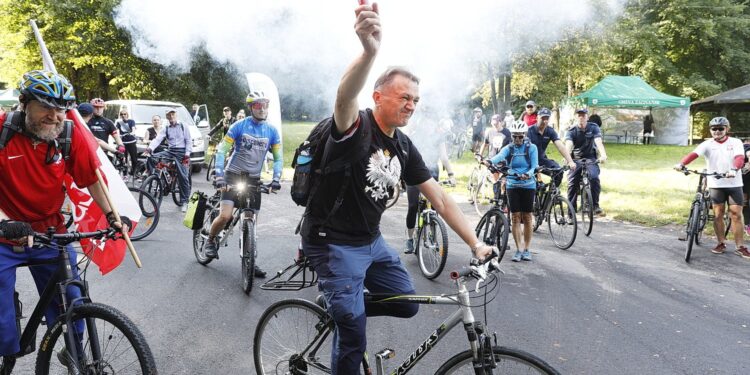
[
  {"x": 149, "y": 214},
  {"x": 587, "y": 210},
  {"x": 201, "y": 235},
  {"x": 493, "y": 229},
  {"x": 508, "y": 360},
  {"x": 483, "y": 196},
  {"x": 152, "y": 185},
  {"x": 432, "y": 247},
  {"x": 692, "y": 229},
  {"x": 562, "y": 223},
  {"x": 248, "y": 255},
  {"x": 293, "y": 337},
  {"x": 109, "y": 344}
]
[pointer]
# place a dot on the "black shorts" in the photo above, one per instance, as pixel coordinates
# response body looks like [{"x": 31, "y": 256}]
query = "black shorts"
[
  {"x": 252, "y": 186},
  {"x": 733, "y": 195},
  {"x": 521, "y": 200}
]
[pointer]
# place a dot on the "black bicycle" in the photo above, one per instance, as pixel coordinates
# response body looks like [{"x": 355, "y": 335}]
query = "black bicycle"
[
  {"x": 88, "y": 337},
  {"x": 431, "y": 245},
  {"x": 586, "y": 205},
  {"x": 494, "y": 226},
  {"x": 294, "y": 336},
  {"x": 700, "y": 211},
  {"x": 552, "y": 206},
  {"x": 245, "y": 217},
  {"x": 124, "y": 169},
  {"x": 163, "y": 180}
]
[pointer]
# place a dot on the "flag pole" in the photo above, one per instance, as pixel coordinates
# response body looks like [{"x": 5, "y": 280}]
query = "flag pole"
[{"x": 50, "y": 66}]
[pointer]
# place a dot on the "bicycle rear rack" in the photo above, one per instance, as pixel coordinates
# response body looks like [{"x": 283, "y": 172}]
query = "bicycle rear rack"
[{"x": 299, "y": 275}]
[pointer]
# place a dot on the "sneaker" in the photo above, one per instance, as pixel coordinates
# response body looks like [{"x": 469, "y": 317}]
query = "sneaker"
[
  {"x": 183, "y": 208},
  {"x": 409, "y": 246},
  {"x": 599, "y": 212},
  {"x": 516, "y": 256},
  {"x": 211, "y": 248},
  {"x": 526, "y": 255},
  {"x": 743, "y": 252},
  {"x": 682, "y": 236},
  {"x": 259, "y": 273},
  {"x": 719, "y": 249}
]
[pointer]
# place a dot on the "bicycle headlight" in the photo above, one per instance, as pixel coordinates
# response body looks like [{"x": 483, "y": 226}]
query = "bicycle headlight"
[{"x": 240, "y": 186}]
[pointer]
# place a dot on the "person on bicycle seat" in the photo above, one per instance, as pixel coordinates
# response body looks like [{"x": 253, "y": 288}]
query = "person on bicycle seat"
[
  {"x": 541, "y": 135},
  {"x": 251, "y": 139},
  {"x": 724, "y": 154},
  {"x": 521, "y": 159},
  {"x": 33, "y": 168},
  {"x": 179, "y": 147},
  {"x": 103, "y": 128},
  {"x": 583, "y": 141},
  {"x": 341, "y": 236}
]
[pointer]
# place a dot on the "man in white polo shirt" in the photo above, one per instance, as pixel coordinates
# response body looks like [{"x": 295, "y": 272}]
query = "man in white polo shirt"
[{"x": 725, "y": 155}]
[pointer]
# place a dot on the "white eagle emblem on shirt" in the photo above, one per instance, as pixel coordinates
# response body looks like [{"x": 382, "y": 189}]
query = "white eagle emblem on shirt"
[{"x": 383, "y": 171}]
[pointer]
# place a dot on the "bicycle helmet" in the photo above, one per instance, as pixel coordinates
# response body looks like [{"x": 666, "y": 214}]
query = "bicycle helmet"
[
  {"x": 477, "y": 109},
  {"x": 97, "y": 102},
  {"x": 254, "y": 96},
  {"x": 719, "y": 121},
  {"x": 50, "y": 88},
  {"x": 518, "y": 127},
  {"x": 544, "y": 112}
]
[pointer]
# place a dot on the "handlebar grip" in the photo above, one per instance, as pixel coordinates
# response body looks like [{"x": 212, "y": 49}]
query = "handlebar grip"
[{"x": 455, "y": 275}]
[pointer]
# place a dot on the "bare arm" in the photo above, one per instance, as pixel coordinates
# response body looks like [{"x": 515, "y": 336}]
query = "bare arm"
[
  {"x": 565, "y": 153},
  {"x": 600, "y": 147},
  {"x": 448, "y": 209},
  {"x": 367, "y": 28}
]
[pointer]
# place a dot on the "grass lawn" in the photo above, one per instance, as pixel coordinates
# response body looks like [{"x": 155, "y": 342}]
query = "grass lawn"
[{"x": 638, "y": 182}]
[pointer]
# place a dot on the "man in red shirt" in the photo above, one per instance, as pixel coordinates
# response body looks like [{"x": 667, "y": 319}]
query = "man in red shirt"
[{"x": 32, "y": 166}]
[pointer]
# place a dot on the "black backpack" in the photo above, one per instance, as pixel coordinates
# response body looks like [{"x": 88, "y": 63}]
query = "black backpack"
[{"x": 12, "y": 125}]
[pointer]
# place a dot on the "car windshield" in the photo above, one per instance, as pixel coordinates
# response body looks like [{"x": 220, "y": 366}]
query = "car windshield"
[{"x": 142, "y": 113}]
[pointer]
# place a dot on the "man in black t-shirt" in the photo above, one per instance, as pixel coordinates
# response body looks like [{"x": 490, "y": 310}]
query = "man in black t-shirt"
[
  {"x": 103, "y": 127},
  {"x": 343, "y": 242}
]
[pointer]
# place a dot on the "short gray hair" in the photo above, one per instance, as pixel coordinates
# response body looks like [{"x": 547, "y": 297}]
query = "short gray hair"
[{"x": 393, "y": 71}]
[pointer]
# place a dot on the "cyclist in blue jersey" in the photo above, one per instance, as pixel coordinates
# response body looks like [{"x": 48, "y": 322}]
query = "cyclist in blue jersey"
[
  {"x": 521, "y": 157},
  {"x": 251, "y": 138}
]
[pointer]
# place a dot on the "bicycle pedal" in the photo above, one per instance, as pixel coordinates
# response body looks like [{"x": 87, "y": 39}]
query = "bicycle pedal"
[{"x": 386, "y": 353}]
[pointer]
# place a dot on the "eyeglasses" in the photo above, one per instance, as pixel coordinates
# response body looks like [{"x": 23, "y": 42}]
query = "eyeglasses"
[
  {"x": 259, "y": 105},
  {"x": 519, "y": 136},
  {"x": 529, "y": 106},
  {"x": 718, "y": 129}
]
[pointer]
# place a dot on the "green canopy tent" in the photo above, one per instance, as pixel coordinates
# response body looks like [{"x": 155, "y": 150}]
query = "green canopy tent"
[{"x": 624, "y": 99}]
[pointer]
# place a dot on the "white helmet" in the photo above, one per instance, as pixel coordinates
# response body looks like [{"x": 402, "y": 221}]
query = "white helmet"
[{"x": 518, "y": 127}]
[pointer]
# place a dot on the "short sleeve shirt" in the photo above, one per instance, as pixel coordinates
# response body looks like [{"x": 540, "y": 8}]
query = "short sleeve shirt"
[
  {"x": 583, "y": 139},
  {"x": 371, "y": 184},
  {"x": 496, "y": 139},
  {"x": 720, "y": 158},
  {"x": 32, "y": 190},
  {"x": 252, "y": 140},
  {"x": 102, "y": 127},
  {"x": 542, "y": 140}
]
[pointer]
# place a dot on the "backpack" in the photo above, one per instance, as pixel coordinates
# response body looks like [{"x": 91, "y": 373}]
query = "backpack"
[
  {"x": 526, "y": 145},
  {"x": 12, "y": 125}
]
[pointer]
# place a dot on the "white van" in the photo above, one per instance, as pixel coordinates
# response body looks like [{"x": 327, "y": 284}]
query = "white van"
[{"x": 141, "y": 111}]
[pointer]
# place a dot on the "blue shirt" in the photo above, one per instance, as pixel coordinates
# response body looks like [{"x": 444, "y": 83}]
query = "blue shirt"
[
  {"x": 519, "y": 164},
  {"x": 250, "y": 141},
  {"x": 177, "y": 135},
  {"x": 583, "y": 139},
  {"x": 542, "y": 140}
]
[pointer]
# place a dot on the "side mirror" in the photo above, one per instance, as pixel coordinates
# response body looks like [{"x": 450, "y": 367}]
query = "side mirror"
[{"x": 203, "y": 124}]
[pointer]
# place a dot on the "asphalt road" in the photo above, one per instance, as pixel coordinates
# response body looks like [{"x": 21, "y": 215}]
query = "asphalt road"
[{"x": 620, "y": 302}]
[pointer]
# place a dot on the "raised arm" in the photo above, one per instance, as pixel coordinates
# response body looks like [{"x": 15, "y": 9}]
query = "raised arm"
[{"x": 367, "y": 28}]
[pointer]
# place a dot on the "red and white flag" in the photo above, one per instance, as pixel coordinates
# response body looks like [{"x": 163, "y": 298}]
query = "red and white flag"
[{"x": 87, "y": 215}]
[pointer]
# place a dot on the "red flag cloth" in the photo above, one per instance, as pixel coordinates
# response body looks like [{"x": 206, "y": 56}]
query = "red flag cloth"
[{"x": 87, "y": 215}]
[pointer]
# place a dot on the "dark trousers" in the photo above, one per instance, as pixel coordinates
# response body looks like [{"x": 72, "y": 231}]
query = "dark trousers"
[
  {"x": 183, "y": 171},
  {"x": 343, "y": 273},
  {"x": 574, "y": 178},
  {"x": 549, "y": 163},
  {"x": 131, "y": 152}
]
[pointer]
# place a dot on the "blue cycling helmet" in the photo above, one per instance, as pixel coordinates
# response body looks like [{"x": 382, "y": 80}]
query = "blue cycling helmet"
[{"x": 50, "y": 88}]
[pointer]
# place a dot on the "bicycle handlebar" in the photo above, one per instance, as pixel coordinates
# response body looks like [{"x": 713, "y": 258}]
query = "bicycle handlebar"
[
  {"x": 70, "y": 237},
  {"x": 716, "y": 175},
  {"x": 478, "y": 268}
]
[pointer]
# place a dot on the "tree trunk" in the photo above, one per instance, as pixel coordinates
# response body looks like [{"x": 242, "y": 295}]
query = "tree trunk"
[
  {"x": 507, "y": 98},
  {"x": 104, "y": 86},
  {"x": 493, "y": 91}
]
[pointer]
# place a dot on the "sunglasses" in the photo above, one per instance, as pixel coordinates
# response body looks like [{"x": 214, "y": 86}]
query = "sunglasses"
[
  {"x": 520, "y": 136},
  {"x": 718, "y": 129},
  {"x": 259, "y": 105},
  {"x": 529, "y": 106}
]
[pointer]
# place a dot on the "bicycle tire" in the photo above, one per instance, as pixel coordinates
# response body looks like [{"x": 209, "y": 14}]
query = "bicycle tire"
[
  {"x": 201, "y": 235},
  {"x": 152, "y": 185},
  {"x": 210, "y": 167},
  {"x": 561, "y": 213},
  {"x": 483, "y": 196},
  {"x": 702, "y": 220},
  {"x": 67, "y": 211},
  {"x": 727, "y": 223},
  {"x": 587, "y": 210},
  {"x": 177, "y": 197},
  {"x": 393, "y": 199},
  {"x": 488, "y": 231},
  {"x": 432, "y": 247},
  {"x": 508, "y": 360},
  {"x": 273, "y": 341},
  {"x": 693, "y": 228},
  {"x": 473, "y": 182},
  {"x": 93, "y": 312},
  {"x": 539, "y": 212},
  {"x": 248, "y": 255},
  {"x": 150, "y": 214}
]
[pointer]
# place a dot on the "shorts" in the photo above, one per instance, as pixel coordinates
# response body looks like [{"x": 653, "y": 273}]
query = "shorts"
[
  {"x": 732, "y": 195},
  {"x": 521, "y": 200},
  {"x": 253, "y": 191}
]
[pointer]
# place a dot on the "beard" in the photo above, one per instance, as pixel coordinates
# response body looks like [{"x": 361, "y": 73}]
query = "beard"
[{"x": 43, "y": 132}]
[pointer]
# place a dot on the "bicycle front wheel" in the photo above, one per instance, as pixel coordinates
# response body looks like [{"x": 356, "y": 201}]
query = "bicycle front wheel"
[
  {"x": 587, "y": 210},
  {"x": 248, "y": 255},
  {"x": 149, "y": 214},
  {"x": 109, "y": 344},
  {"x": 493, "y": 229},
  {"x": 152, "y": 185},
  {"x": 693, "y": 229},
  {"x": 201, "y": 235},
  {"x": 483, "y": 196},
  {"x": 562, "y": 223},
  {"x": 432, "y": 247},
  {"x": 293, "y": 337},
  {"x": 508, "y": 360}
]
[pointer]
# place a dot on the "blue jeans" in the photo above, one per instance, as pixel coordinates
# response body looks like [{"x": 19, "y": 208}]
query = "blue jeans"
[
  {"x": 183, "y": 171},
  {"x": 574, "y": 178},
  {"x": 9, "y": 261},
  {"x": 343, "y": 272}
]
